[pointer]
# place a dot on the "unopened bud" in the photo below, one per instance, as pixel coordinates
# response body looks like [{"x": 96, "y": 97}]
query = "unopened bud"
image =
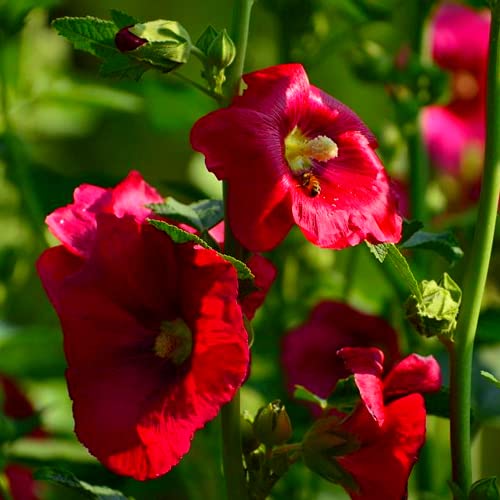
[
  {"x": 485, "y": 489},
  {"x": 125, "y": 40},
  {"x": 249, "y": 441},
  {"x": 272, "y": 424},
  {"x": 221, "y": 51},
  {"x": 436, "y": 312}
]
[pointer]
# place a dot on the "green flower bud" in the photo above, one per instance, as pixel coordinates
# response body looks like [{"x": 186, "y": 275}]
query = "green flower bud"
[
  {"x": 436, "y": 313},
  {"x": 272, "y": 424},
  {"x": 163, "y": 44},
  {"x": 221, "y": 52},
  {"x": 322, "y": 443},
  {"x": 249, "y": 441}
]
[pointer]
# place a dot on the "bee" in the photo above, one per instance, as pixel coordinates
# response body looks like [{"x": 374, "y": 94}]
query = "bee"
[{"x": 311, "y": 184}]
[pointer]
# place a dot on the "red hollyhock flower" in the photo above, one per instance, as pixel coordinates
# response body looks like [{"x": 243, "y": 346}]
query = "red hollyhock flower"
[
  {"x": 14, "y": 404},
  {"x": 294, "y": 155},
  {"x": 309, "y": 352},
  {"x": 458, "y": 38},
  {"x": 153, "y": 333}
]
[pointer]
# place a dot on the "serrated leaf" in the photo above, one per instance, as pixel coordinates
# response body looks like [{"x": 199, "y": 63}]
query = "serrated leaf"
[
  {"x": 180, "y": 236},
  {"x": 65, "y": 478},
  {"x": 302, "y": 394},
  {"x": 122, "y": 19},
  {"x": 121, "y": 66},
  {"x": 389, "y": 252},
  {"x": 201, "y": 215},
  {"x": 444, "y": 244},
  {"x": 491, "y": 378},
  {"x": 89, "y": 34}
]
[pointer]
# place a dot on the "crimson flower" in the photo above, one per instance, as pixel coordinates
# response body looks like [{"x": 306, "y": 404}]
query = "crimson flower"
[
  {"x": 292, "y": 154},
  {"x": 15, "y": 405},
  {"x": 372, "y": 450},
  {"x": 153, "y": 333},
  {"x": 309, "y": 352},
  {"x": 458, "y": 39}
]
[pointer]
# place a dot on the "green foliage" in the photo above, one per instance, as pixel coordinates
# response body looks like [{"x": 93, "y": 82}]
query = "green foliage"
[
  {"x": 491, "y": 378},
  {"x": 13, "y": 13},
  {"x": 180, "y": 236},
  {"x": 122, "y": 19},
  {"x": 201, "y": 215},
  {"x": 444, "y": 244},
  {"x": 302, "y": 394},
  {"x": 65, "y": 478}
]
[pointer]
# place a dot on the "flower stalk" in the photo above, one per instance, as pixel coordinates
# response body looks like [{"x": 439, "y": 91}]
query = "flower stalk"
[
  {"x": 232, "y": 455},
  {"x": 475, "y": 274}
]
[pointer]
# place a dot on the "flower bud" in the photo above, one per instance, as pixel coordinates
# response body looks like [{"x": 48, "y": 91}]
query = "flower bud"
[
  {"x": 322, "y": 443},
  {"x": 436, "y": 313},
  {"x": 485, "y": 489},
  {"x": 221, "y": 51},
  {"x": 161, "y": 43},
  {"x": 272, "y": 424},
  {"x": 125, "y": 40},
  {"x": 249, "y": 441}
]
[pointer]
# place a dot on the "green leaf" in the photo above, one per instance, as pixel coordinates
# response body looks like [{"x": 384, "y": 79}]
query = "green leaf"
[
  {"x": 302, "y": 394},
  {"x": 122, "y": 19},
  {"x": 410, "y": 227},
  {"x": 89, "y": 34},
  {"x": 201, "y": 215},
  {"x": 120, "y": 66},
  {"x": 345, "y": 395},
  {"x": 66, "y": 478},
  {"x": 389, "y": 252},
  {"x": 491, "y": 378},
  {"x": 444, "y": 244},
  {"x": 485, "y": 489},
  {"x": 180, "y": 236}
]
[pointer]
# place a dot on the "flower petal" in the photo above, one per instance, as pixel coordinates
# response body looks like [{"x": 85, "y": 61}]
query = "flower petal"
[
  {"x": 413, "y": 374},
  {"x": 367, "y": 365},
  {"x": 383, "y": 463},
  {"x": 356, "y": 200}
]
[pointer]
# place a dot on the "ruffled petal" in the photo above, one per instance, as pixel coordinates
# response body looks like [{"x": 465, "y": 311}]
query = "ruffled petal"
[
  {"x": 413, "y": 374},
  {"x": 367, "y": 365},
  {"x": 383, "y": 463}
]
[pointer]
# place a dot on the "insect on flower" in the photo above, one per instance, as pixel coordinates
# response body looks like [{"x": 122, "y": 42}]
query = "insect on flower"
[{"x": 311, "y": 184}]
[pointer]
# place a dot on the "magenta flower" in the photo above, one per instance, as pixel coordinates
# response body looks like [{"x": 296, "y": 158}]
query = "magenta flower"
[
  {"x": 454, "y": 134},
  {"x": 292, "y": 154}
]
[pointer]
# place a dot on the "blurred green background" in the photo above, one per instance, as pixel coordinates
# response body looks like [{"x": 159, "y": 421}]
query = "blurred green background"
[{"x": 64, "y": 125}]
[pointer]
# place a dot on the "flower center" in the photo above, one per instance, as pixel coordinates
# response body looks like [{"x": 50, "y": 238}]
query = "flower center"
[
  {"x": 300, "y": 150},
  {"x": 465, "y": 85},
  {"x": 174, "y": 342}
]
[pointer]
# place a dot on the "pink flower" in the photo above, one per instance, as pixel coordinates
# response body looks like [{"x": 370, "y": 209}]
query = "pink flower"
[
  {"x": 153, "y": 333},
  {"x": 309, "y": 352},
  {"x": 372, "y": 450},
  {"x": 294, "y": 155},
  {"x": 455, "y": 133}
]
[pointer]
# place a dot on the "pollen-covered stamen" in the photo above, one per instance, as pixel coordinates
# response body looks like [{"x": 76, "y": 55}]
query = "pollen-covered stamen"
[
  {"x": 465, "y": 85},
  {"x": 300, "y": 150},
  {"x": 174, "y": 342}
]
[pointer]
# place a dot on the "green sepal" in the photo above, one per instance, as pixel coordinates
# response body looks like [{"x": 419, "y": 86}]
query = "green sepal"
[
  {"x": 324, "y": 441},
  {"x": 303, "y": 394},
  {"x": 65, "y": 478},
  {"x": 435, "y": 312},
  {"x": 345, "y": 395},
  {"x": 206, "y": 38},
  {"x": 201, "y": 215},
  {"x": 490, "y": 378},
  {"x": 485, "y": 489},
  {"x": 180, "y": 236},
  {"x": 444, "y": 244}
]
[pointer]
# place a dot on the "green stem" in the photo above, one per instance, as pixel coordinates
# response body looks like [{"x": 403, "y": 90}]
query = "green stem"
[
  {"x": 475, "y": 275},
  {"x": 232, "y": 456},
  {"x": 217, "y": 97}
]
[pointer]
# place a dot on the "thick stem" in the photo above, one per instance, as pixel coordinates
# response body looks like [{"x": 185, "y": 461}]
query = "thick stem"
[
  {"x": 475, "y": 275},
  {"x": 234, "y": 474}
]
